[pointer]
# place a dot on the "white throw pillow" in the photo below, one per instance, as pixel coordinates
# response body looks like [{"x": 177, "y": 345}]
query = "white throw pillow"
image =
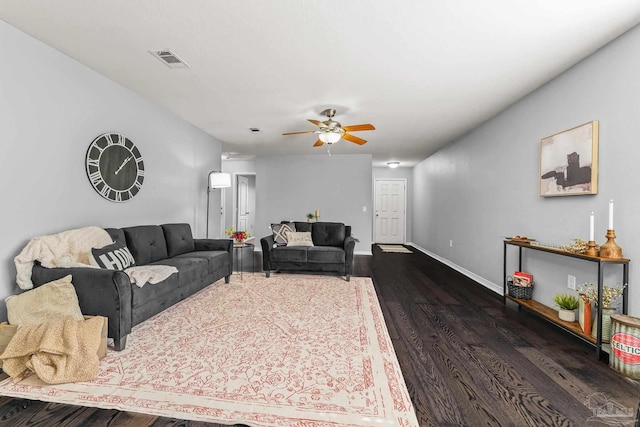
[{"x": 299, "y": 238}]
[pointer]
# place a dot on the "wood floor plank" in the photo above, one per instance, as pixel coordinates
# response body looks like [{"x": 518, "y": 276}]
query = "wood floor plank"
[{"x": 439, "y": 404}]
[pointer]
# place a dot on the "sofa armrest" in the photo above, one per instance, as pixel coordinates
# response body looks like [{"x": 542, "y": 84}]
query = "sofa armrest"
[
  {"x": 101, "y": 292},
  {"x": 213, "y": 245},
  {"x": 267, "y": 244},
  {"x": 349, "y": 248}
]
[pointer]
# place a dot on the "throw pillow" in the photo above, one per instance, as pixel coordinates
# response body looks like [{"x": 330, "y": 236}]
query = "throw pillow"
[
  {"x": 280, "y": 232},
  {"x": 115, "y": 256},
  {"x": 302, "y": 238},
  {"x": 49, "y": 301}
]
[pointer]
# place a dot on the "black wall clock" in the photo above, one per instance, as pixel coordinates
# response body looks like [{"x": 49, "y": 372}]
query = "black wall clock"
[{"x": 115, "y": 167}]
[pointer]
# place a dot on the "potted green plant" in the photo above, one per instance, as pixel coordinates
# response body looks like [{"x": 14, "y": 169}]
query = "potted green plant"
[
  {"x": 311, "y": 217},
  {"x": 567, "y": 305}
]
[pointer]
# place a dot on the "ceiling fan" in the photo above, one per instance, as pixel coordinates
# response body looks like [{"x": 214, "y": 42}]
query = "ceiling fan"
[{"x": 331, "y": 131}]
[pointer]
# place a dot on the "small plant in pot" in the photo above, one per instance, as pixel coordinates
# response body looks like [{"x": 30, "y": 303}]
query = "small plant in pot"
[{"x": 567, "y": 304}]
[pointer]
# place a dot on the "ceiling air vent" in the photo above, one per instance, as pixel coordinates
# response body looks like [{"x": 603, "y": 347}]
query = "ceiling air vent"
[{"x": 169, "y": 58}]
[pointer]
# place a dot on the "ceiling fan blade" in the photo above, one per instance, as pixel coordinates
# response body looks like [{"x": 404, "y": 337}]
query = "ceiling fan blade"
[
  {"x": 356, "y": 128},
  {"x": 354, "y": 139},
  {"x": 298, "y": 133},
  {"x": 315, "y": 122},
  {"x": 318, "y": 143}
]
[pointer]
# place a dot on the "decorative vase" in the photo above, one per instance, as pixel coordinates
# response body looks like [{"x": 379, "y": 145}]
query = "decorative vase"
[
  {"x": 606, "y": 324},
  {"x": 585, "y": 314},
  {"x": 239, "y": 241},
  {"x": 567, "y": 315}
]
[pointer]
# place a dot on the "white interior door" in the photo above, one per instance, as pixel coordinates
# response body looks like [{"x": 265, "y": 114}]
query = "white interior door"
[
  {"x": 389, "y": 219},
  {"x": 243, "y": 204}
]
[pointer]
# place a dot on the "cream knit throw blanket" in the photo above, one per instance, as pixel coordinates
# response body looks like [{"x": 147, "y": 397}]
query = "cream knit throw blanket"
[
  {"x": 59, "y": 351},
  {"x": 67, "y": 249}
]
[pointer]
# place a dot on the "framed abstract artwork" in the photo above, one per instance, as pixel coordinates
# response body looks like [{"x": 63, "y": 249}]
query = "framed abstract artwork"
[{"x": 569, "y": 162}]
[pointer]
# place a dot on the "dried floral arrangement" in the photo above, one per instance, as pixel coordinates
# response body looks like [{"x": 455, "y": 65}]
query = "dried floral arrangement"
[
  {"x": 578, "y": 246},
  {"x": 609, "y": 293}
]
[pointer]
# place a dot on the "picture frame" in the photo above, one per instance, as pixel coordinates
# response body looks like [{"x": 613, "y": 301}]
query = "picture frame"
[{"x": 569, "y": 162}]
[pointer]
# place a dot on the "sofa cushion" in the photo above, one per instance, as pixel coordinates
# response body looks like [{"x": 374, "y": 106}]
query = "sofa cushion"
[
  {"x": 289, "y": 254},
  {"x": 117, "y": 235},
  {"x": 179, "y": 238},
  {"x": 303, "y": 226},
  {"x": 328, "y": 234},
  {"x": 280, "y": 232},
  {"x": 146, "y": 243},
  {"x": 216, "y": 259},
  {"x": 299, "y": 238},
  {"x": 326, "y": 255},
  {"x": 189, "y": 269},
  {"x": 115, "y": 256}
]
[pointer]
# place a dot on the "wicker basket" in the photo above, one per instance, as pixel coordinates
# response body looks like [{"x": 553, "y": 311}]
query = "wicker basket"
[{"x": 520, "y": 292}]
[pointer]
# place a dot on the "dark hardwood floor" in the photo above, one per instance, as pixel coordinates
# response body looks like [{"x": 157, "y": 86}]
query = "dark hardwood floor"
[{"x": 467, "y": 360}]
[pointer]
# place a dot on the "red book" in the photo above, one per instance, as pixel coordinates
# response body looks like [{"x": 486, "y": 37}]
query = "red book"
[{"x": 520, "y": 278}]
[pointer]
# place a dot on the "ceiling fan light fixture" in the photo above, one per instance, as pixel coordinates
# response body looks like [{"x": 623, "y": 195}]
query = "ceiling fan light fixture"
[
  {"x": 330, "y": 137},
  {"x": 393, "y": 165}
]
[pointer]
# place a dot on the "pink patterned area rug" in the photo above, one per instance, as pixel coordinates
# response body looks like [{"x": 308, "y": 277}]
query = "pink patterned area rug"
[{"x": 290, "y": 350}]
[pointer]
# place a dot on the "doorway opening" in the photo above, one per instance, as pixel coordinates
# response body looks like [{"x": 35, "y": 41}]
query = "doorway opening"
[{"x": 245, "y": 202}]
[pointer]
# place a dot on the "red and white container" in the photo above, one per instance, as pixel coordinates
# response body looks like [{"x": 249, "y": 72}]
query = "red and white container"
[{"x": 625, "y": 345}]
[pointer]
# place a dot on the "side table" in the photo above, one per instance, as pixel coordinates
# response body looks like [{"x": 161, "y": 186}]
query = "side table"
[{"x": 239, "y": 254}]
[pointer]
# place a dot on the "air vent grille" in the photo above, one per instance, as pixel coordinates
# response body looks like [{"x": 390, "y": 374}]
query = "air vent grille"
[{"x": 168, "y": 58}]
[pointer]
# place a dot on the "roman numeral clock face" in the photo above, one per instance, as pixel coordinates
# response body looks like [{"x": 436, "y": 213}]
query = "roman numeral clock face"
[{"x": 115, "y": 167}]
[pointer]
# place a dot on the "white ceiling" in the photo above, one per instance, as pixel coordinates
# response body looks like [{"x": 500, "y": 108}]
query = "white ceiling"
[{"x": 421, "y": 71}]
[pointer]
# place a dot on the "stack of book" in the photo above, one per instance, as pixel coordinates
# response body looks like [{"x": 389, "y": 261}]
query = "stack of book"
[{"x": 520, "y": 278}]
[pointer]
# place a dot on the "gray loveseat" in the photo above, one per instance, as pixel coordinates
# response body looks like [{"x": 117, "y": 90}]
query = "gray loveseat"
[
  {"x": 332, "y": 250},
  {"x": 110, "y": 293}
]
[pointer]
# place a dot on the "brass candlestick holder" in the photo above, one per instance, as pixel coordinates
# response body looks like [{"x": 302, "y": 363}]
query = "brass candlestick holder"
[
  {"x": 611, "y": 248},
  {"x": 591, "y": 248}
]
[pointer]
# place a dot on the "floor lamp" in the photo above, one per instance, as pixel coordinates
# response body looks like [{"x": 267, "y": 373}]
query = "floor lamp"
[{"x": 216, "y": 179}]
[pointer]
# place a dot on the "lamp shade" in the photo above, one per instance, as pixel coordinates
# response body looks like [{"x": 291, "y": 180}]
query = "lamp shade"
[
  {"x": 393, "y": 165},
  {"x": 330, "y": 137},
  {"x": 219, "y": 180}
]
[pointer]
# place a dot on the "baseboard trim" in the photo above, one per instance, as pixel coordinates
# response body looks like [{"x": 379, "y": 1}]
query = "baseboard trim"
[
  {"x": 498, "y": 289},
  {"x": 369, "y": 253}
]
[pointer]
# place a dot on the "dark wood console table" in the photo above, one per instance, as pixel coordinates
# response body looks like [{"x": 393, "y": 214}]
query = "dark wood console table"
[{"x": 550, "y": 314}]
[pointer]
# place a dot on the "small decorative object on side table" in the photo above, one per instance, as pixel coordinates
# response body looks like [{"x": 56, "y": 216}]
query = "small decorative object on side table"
[
  {"x": 567, "y": 305},
  {"x": 238, "y": 236},
  {"x": 611, "y": 248}
]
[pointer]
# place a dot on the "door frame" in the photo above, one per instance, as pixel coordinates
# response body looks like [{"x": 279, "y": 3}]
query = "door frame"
[{"x": 375, "y": 204}]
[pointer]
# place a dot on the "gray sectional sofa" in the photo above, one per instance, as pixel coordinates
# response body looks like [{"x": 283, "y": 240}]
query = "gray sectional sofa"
[
  {"x": 332, "y": 250},
  {"x": 110, "y": 293}
]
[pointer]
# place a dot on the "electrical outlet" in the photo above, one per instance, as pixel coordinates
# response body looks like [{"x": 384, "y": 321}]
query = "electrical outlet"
[
  {"x": 450, "y": 243},
  {"x": 571, "y": 282}
]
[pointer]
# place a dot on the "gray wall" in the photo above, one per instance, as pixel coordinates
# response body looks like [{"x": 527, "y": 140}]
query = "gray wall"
[
  {"x": 289, "y": 187},
  {"x": 485, "y": 185},
  {"x": 399, "y": 173},
  {"x": 51, "y": 108}
]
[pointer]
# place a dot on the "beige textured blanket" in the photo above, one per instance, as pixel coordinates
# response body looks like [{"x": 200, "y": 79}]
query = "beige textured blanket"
[
  {"x": 67, "y": 249},
  {"x": 59, "y": 351},
  {"x": 149, "y": 274}
]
